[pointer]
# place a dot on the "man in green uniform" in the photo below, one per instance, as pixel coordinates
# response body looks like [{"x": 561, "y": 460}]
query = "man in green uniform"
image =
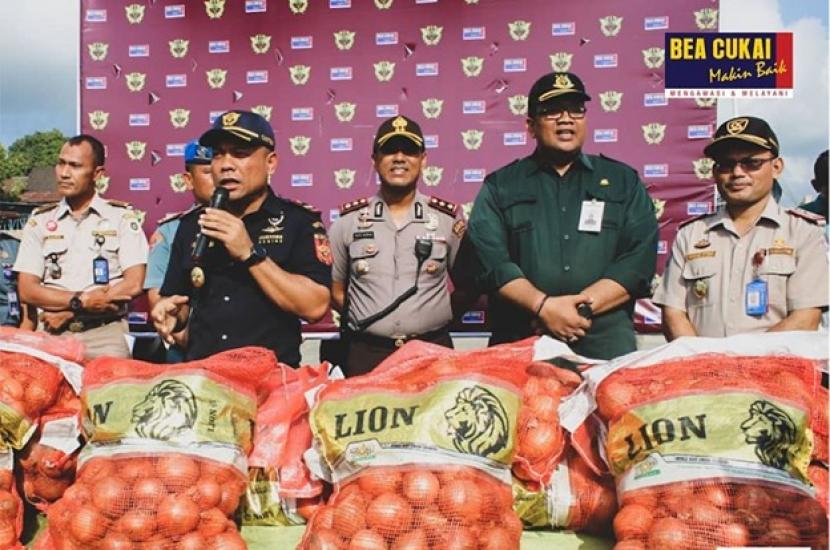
[{"x": 566, "y": 241}]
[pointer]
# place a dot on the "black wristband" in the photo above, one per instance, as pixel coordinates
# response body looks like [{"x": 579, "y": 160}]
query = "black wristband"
[{"x": 541, "y": 305}]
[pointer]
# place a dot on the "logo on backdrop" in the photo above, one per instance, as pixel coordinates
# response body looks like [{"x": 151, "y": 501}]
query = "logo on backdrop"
[
  {"x": 135, "y": 13},
  {"x": 178, "y": 47},
  {"x": 654, "y": 132},
  {"x": 432, "y": 175},
  {"x": 214, "y": 8},
  {"x": 299, "y": 74},
  {"x": 654, "y": 57},
  {"x": 98, "y": 119},
  {"x": 519, "y": 30},
  {"x": 344, "y": 178},
  {"x": 384, "y": 70},
  {"x": 610, "y": 25},
  {"x": 98, "y": 50},
  {"x": 432, "y": 107},
  {"x": 561, "y": 61},
  {"x": 135, "y": 81},
  {"x": 472, "y": 65},
  {"x": 729, "y": 65},
  {"x": 263, "y": 110},
  {"x": 518, "y": 104},
  {"x": 344, "y": 40},
  {"x": 345, "y": 111},
  {"x": 260, "y": 43},
  {"x": 179, "y": 117},
  {"x": 431, "y": 34}
]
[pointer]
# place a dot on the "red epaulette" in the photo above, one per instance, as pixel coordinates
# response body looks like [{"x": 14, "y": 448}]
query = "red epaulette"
[
  {"x": 447, "y": 207},
  {"x": 351, "y": 206},
  {"x": 811, "y": 217}
]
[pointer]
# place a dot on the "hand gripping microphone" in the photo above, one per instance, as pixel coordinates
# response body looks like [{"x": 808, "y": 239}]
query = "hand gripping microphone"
[{"x": 218, "y": 200}]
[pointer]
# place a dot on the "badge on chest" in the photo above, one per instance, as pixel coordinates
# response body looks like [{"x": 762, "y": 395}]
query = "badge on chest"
[{"x": 590, "y": 217}]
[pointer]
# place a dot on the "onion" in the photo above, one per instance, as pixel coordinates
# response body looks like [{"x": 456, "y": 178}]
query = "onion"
[
  {"x": 781, "y": 532},
  {"x": 192, "y": 541},
  {"x": 498, "y": 538},
  {"x": 809, "y": 516},
  {"x": 8, "y": 535},
  {"x": 229, "y": 500},
  {"x": 48, "y": 489},
  {"x": 413, "y": 540},
  {"x": 348, "y": 516},
  {"x": 366, "y": 539},
  {"x": 139, "y": 525},
  {"x": 147, "y": 493},
  {"x": 87, "y": 525},
  {"x": 110, "y": 496},
  {"x": 8, "y": 506},
  {"x": 461, "y": 499},
  {"x": 544, "y": 407},
  {"x": 206, "y": 494},
  {"x": 421, "y": 487},
  {"x": 324, "y": 539},
  {"x": 116, "y": 541},
  {"x": 136, "y": 469},
  {"x": 95, "y": 469},
  {"x": 389, "y": 514},
  {"x": 459, "y": 538},
  {"x": 229, "y": 540},
  {"x": 212, "y": 522},
  {"x": 380, "y": 480},
  {"x": 671, "y": 533},
  {"x": 6, "y": 479},
  {"x": 540, "y": 441},
  {"x": 732, "y": 534},
  {"x": 717, "y": 495},
  {"x": 177, "y": 471},
  {"x": 615, "y": 397},
  {"x": 177, "y": 515},
  {"x": 632, "y": 521},
  {"x": 36, "y": 396}
]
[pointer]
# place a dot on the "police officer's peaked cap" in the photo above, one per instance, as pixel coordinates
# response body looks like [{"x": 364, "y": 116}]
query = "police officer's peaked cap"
[
  {"x": 553, "y": 86},
  {"x": 746, "y": 129},
  {"x": 242, "y": 125},
  {"x": 197, "y": 154},
  {"x": 399, "y": 127}
]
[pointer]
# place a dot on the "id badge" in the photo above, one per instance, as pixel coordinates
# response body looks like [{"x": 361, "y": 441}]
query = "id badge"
[
  {"x": 590, "y": 217},
  {"x": 757, "y": 298},
  {"x": 100, "y": 271}
]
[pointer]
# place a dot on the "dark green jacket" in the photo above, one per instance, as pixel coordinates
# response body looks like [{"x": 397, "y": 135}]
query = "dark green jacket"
[
  {"x": 524, "y": 224},
  {"x": 817, "y": 206}
]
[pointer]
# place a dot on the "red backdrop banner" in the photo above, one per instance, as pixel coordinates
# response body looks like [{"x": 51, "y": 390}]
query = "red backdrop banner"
[{"x": 327, "y": 72}]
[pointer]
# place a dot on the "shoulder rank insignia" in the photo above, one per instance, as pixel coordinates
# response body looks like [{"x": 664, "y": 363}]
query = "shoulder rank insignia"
[
  {"x": 690, "y": 220},
  {"x": 811, "y": 217},
  {"x": 119, "y": 204},
  {"x": 45, "y": 208},
  {"x": 351, "y": 206},
  {"x": 304, "y": 205},
  {"x": 441, "y": 205}
]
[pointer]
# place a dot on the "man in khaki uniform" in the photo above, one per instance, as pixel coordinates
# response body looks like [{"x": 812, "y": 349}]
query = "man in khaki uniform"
[
  {"x": 82, "y": 260},
  {"x": 753, "y": 267},
  {"x": 383, "y": 245}
]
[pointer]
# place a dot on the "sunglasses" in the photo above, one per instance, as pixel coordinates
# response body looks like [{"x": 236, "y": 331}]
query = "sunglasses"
[
  {"x": 748, "y": 164},
  {"x": 408, "y": 148},
  {"x": 576, "y": 112}
]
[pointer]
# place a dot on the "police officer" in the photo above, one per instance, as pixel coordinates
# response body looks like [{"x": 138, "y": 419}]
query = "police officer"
[
  {"x": 13, "y": 313},
  {"x": 198, "y": 179},
  {"x": 819, "y": 182},
  {"x": 270, "y": 263},
  {"x": 566, "y": 241},
  {"x": 753, "y": 267},
  {"x": 385, "y": 246},
  {"x": 82, "y": 260}
]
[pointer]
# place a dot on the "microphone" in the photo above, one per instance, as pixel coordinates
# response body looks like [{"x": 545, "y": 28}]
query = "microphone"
[{"x": 220, "y": 196}]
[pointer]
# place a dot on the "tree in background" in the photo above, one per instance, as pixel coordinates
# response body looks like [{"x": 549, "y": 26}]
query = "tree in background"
[{"x": 30, "y": 151}]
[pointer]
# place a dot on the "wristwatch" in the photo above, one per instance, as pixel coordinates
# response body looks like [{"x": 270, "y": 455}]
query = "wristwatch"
[
  {"x": 258, "y": 254},
  {"x": 585, "y": 310},
  {"x": 75, "y": 303}
]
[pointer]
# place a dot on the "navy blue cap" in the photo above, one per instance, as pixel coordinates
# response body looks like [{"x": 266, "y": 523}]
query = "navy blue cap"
[
  {"x": 242, "y": 125},
  {"x": 197, "y": 154}
]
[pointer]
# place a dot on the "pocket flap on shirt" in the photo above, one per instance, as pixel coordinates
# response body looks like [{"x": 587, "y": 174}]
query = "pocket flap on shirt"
[
  {"x": 699, "y": 268},
  {"x": 777, "y": 264}
]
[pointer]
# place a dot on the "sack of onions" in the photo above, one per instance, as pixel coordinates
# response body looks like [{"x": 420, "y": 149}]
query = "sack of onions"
[
  {"x": 281, "y": 490},
  {"x": 817, "y": 472},
  {"x": 575, "y": 499},
  {"x": 49, "y": 460},
  {"x": 33, "y": 373},
  {"x": 420, "y": 454},
  {"x": 11, "y": 507},
  {"x": 165, "y": 462},
  {"x": 709, "y": 441},
  {"x": 821, "y": 451}
]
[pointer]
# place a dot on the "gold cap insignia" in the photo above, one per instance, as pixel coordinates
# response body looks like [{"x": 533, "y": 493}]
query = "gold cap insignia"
[
  {"x": 399, "y": 124},
  {"x": 229, "y": 119},
  {"x": 562, "y": 82},
  {"x": 737, "y": 126}
]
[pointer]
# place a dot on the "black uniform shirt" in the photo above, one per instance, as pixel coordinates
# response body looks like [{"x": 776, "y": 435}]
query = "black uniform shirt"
[{"x": 231, "y": 310}]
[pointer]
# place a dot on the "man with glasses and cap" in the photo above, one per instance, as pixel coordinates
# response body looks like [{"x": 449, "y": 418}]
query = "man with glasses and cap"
[
  {"x": 199, "y": 180},
  {"x": 392, "y": 255},
  {"x": 566, "y": 241},
  {"x": 754, "y": 266},
  {"x": 266, "y": 260}
]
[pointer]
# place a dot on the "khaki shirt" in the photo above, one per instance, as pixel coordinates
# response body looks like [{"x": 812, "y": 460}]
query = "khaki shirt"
[
  {"x": 52, "y": 236},
  {"x": 379, "y": 261},
  {"x": 711, "y": 265}
]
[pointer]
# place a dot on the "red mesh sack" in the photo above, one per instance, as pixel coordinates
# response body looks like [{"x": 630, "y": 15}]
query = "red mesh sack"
[
  {"x": 712, "y": 449},
  {"x": 818, "y": 477},
  {"x": 65, "y": 347},
  {"x": 420, "y": 452},
  {"x": 11, "y": 507},
  {"x": 281, "y": 491},
  {"x": 820, "y": 422},
  {"x": 165, "y": 460},
  {"x": 575, "y": 499},
  {"x": 541, "y": 440},
  {"x": 48, "y": 462}
]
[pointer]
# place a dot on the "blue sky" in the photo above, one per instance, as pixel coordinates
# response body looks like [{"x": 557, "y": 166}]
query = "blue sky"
[{"x": 39, "y": 54}]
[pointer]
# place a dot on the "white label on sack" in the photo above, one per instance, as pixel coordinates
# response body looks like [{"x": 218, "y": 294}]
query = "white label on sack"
[
  {"x": 559, "y": 497},
  {"x": 61, "y": 434}
]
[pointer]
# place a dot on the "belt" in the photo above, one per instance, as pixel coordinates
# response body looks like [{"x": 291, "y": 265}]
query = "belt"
[
  {"x": 398, "y": 340},
  {"x": 79, "y": 325}
]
